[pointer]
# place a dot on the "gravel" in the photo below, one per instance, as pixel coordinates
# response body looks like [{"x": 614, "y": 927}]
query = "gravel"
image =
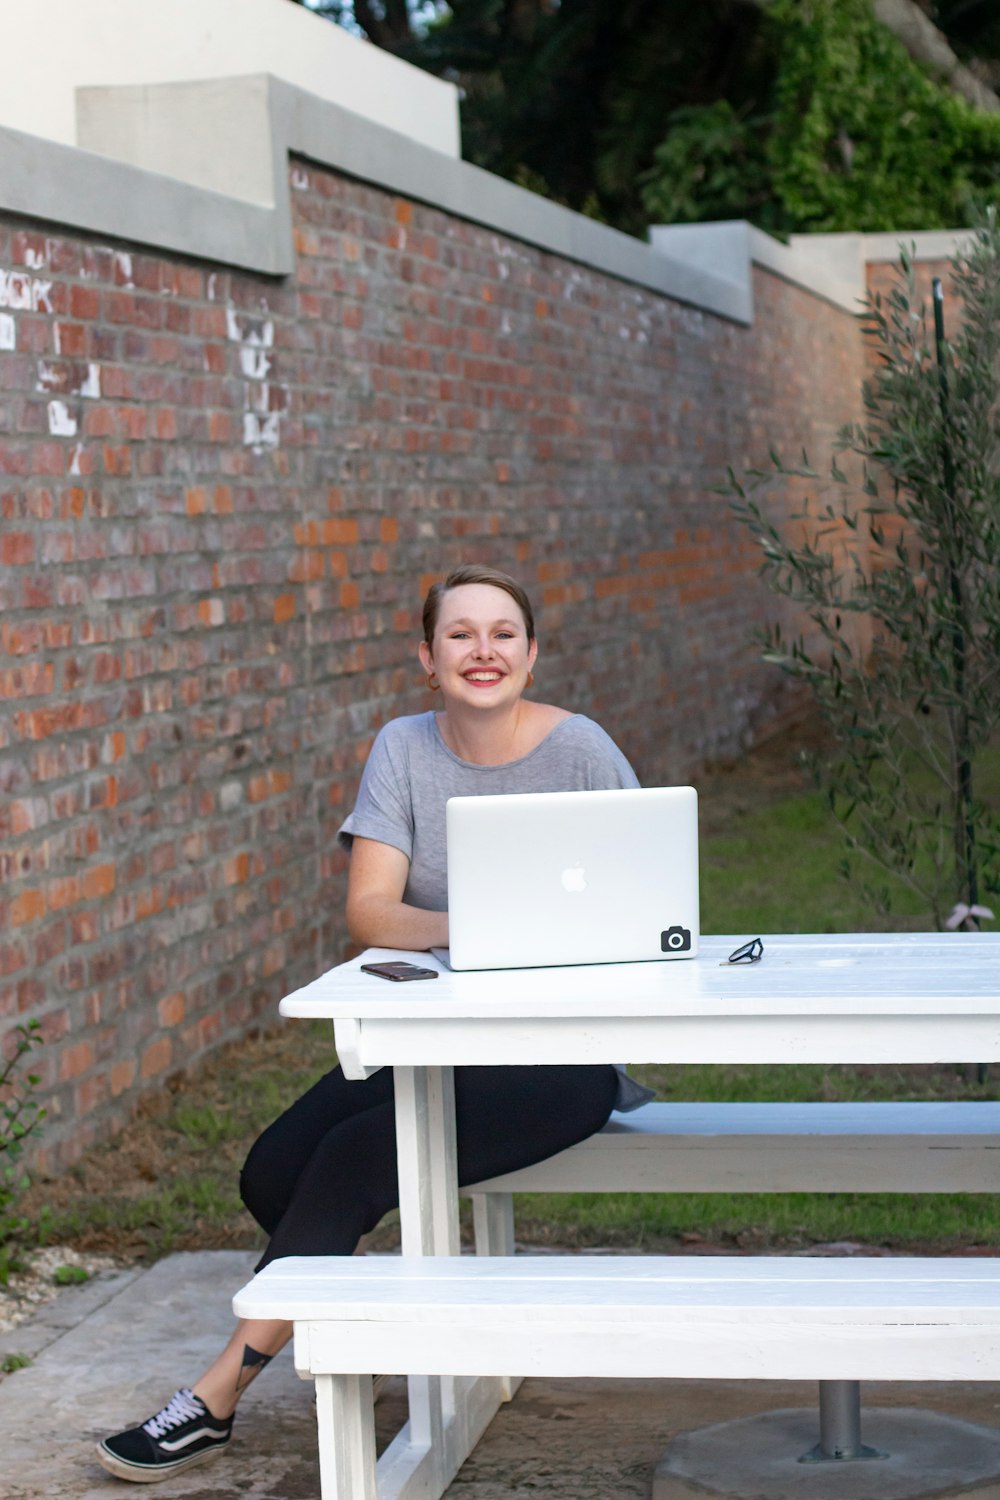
[{"x": 30, "y": 1288}]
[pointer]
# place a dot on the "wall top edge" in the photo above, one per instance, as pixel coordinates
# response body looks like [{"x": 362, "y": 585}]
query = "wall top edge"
[
  {"x": 922, "y": 244},
  {"x": 67, "y": 188},
  {"x": 706, "y": 266},
  {"x": 64, "y": 185}
]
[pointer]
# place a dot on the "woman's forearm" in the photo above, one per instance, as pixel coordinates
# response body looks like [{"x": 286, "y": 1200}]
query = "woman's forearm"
[{"x": 378, "y": 921}]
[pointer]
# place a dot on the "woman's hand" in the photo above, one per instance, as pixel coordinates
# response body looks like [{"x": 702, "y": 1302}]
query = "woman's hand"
[{"x": 377, "y": 915}]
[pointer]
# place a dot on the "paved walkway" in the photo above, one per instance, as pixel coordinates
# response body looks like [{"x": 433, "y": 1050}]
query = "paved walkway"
[{"x": 108, "y": 1354}]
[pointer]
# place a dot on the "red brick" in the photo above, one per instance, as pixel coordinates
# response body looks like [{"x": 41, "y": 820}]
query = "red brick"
[
  {"x": 156, "y": 1059},
  {"x": 171, "y": 1009},
  {"x": 17, "y": 548},
  {"x": 122, "y": 1076},
  {"x": 98, "y": 882},
  {"x": 28, "y": 906},
  {"x": 76, "y": 1060}
]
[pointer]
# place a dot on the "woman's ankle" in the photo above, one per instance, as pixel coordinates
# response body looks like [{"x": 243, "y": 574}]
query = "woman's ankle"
[{"x": 215, "y": 1399}]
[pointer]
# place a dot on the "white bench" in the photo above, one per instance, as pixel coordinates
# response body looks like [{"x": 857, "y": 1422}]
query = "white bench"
[
  {"x": 925, "y": 1147},
  {"x": 766, "y": 1318}
]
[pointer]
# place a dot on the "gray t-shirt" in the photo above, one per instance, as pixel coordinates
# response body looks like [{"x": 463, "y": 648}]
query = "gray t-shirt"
[{"x": 411, "y": 773}]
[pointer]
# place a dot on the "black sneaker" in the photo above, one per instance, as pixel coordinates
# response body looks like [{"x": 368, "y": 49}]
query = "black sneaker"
[{"x": 183, "y": 1433}]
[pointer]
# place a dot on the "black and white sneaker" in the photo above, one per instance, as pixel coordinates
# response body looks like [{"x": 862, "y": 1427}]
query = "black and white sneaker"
[{"x": 183, "y": 1433}]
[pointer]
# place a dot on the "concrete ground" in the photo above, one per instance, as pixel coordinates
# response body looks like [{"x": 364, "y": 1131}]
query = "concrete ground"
[{"x": 108, "y": 1354}]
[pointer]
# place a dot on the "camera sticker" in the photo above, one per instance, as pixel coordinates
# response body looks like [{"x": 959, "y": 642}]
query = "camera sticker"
[{"x": 675, "y": 940}]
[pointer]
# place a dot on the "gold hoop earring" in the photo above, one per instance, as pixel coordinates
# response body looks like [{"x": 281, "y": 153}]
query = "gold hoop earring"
[{"x": 432, "y": 682}]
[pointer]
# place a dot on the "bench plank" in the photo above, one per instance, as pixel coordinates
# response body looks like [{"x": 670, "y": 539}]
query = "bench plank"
[
  {"x": 780, "y": 1317},
  {"x": 733, "y": 1147}
]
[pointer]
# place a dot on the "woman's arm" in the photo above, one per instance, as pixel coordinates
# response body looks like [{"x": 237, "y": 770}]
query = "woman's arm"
[{"x": 377, "y": 915}]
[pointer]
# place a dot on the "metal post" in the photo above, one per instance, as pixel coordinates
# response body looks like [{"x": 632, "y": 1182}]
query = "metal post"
[{"x": 840, "y": 1425}]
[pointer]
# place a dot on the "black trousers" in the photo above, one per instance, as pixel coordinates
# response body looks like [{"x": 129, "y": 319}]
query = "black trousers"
[{"x": 324, "y": 1173}]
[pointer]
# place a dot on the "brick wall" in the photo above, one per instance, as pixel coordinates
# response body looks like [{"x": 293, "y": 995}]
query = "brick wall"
[{"x": 222, "y": 497}]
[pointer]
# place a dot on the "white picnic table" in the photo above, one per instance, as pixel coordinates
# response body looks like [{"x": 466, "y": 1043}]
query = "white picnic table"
[{"x": 899, "y": 998}]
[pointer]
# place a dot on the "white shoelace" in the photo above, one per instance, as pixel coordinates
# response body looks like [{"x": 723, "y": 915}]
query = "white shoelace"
[{"x": 179, "y": 1409}]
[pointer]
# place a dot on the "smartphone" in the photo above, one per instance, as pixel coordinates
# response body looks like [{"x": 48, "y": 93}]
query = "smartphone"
[{"x": 399, "y": 971}]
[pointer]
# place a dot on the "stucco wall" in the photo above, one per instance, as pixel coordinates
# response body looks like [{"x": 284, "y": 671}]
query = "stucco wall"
[{"x": 63, "y": 45}]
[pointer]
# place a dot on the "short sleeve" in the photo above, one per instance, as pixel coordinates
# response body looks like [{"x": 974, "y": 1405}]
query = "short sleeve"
[
  {"x": 606, "y": 768},
  {"x": 384, "y": 809}
]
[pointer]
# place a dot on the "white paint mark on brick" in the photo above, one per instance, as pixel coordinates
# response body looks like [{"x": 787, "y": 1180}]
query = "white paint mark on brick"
[
  {"x": 61, "y": 424},
  {"x": 91, "y": 387},
  {"x": 255, "y": 335},
  {"x": 41, "y": 296},
  {"x": 34, "y": 260},
  {"x": 123, "y": 267},
  {"x": 258, "y": 398},
  {"x": 254, "y": 363},
  {"x": 15, "y": 290},
  {"x": 48, "y": 378},
  {"x": 260, "y": 433},
  {"x": 230, "y": 795},
  {"x": 300, "y": 179},
  {"x": 8, "y": 332},
  {"x": 210, "y": 289},
  {"x": 74, "y": 463}
]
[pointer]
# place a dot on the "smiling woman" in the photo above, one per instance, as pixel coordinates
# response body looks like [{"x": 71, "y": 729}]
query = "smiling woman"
[{"x": 324, "y": 1173}]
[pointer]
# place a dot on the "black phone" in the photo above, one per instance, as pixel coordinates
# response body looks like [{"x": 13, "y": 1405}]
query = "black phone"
[{"x": 399, "y": 971}]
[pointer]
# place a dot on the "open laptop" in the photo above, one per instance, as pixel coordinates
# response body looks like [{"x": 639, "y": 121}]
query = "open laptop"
[{"x": 547, "y": 878}]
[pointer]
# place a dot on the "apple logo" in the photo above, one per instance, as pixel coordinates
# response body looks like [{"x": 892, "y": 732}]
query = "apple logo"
[{"x": 574, "y": 878}]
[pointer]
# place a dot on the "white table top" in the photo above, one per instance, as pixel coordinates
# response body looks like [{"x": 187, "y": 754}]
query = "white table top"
[
  {"x": 906, "y": 997},
  {"x": 838, "y": 974}
]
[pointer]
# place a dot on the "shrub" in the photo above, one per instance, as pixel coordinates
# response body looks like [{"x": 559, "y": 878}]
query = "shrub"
[{"x": 20, "y": 1116}]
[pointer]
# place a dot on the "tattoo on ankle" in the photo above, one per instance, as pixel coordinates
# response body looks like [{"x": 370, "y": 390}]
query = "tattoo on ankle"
[{"x": 253, "y": 1363}]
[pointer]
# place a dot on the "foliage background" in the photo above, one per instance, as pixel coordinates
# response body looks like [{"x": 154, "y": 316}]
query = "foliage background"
[{"x": 795, "y": 114}]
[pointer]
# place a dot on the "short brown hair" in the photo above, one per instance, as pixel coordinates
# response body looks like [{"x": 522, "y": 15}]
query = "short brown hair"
[{"x": 475, "y": 573}]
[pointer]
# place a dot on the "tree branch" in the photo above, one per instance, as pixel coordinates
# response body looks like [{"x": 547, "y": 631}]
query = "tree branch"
[{"x": 927, "y": 46}]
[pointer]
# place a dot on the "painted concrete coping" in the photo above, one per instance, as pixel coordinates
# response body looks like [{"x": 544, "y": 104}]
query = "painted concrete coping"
[
  {"x": 143, "y": 176},
  {"x": 831, "y": 266}
]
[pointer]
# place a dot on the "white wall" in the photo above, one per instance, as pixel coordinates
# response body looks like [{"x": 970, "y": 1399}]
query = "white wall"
[{"x": 53, "y": 46}]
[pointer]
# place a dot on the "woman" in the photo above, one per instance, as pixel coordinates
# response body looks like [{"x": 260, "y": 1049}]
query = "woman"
[{"x": 301, "y": 1180}]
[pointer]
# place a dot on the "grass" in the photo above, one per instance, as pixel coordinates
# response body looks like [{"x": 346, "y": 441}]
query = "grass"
[
  {"x": 753, "y": 1220},
  {"x": 779, "y": 871},
  {"x": 170, "y": 1181}
]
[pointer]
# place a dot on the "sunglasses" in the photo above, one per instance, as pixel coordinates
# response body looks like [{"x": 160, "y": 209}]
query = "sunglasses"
[{"x": 748, "y": 954}]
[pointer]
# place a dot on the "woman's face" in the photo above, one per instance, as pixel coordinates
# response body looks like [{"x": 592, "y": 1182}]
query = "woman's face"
[{"x": 480, "y": 654}]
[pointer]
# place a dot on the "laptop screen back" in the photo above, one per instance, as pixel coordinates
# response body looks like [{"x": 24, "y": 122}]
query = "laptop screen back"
[{"x": 572, "y": 877}]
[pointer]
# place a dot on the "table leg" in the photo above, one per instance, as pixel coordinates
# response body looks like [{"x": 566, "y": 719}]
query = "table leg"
[
  {"x": 447, "y": 1416},
  {"x": 346, "y": 1437},
  {"x": 839, "y": 1425}
]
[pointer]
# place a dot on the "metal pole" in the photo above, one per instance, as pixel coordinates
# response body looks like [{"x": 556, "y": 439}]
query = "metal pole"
[
  {"x": 840, "y": 1425},
  {"x": 966, "y": 842},
  {"x": 840, "y": 1418}
]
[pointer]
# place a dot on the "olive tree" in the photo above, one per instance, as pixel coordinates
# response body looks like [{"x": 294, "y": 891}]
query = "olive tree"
[{"x": 902, "y": 537}]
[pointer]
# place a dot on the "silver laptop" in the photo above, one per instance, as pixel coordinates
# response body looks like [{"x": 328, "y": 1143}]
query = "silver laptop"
[{"x": 572, "y": 878}]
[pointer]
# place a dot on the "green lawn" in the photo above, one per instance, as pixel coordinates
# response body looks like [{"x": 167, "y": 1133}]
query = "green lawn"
[{"x": 780, "y": 871}]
